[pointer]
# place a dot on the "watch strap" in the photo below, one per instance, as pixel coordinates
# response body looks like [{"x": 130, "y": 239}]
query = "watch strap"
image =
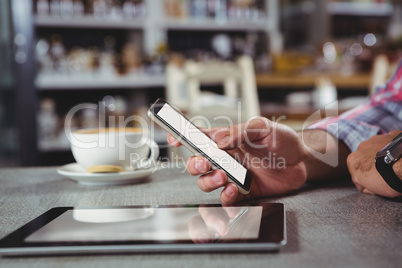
[{"x": 388, "y": 174}]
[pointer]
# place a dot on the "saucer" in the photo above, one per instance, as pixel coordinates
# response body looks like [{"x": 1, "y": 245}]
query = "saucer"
[{"x": 77, "y": 173}]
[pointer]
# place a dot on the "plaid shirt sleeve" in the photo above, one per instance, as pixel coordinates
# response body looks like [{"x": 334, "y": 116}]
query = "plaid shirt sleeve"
[{"x": 381, "y": 114}]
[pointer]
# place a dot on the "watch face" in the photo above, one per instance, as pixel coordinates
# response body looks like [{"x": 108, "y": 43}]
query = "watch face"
[
  {"x": 395, "y": 148},
  {"x": 382, "y": 152}
]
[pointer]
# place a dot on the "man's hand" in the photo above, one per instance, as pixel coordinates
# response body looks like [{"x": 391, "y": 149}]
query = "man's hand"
[
  {"x": 362, "y": 166},
  {"x": 272, "y": 152}
]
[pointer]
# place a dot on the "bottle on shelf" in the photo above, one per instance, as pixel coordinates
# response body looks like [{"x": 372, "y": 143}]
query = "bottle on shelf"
[
  {"x": 129, "y": 10},
  {"x": 66, "y": 9},
  {"x": 48, "y": 124},
  {"x": 198, "y": 9},
  {"x": 42, "y": 7},
  {"x": 99, "y": 9},
  {"x": 78, "y": 8},
  {"x": 58, "y": 54},
  {"x": 219, "y": 10},
  {"x": 55, "y": 8},
  {"x": 116, "y": 10},
  {"x": 43, "y": 56}
]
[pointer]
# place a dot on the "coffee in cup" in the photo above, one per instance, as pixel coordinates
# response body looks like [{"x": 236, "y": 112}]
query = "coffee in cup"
[{"x": 126, "y": 147}]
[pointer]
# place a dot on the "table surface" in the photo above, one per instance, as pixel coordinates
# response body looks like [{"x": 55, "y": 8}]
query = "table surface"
[{"x": 331, "y": 225}]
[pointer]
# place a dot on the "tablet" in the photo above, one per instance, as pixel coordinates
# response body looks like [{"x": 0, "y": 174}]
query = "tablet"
[{"x": 142, "y": 229}]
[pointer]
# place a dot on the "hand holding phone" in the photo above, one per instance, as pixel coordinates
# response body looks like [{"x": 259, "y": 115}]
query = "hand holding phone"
[{"x": 199, "y": 143}]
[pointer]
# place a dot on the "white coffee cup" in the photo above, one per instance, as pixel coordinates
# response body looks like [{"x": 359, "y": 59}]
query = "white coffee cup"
[{"x": 129, "y": 148}]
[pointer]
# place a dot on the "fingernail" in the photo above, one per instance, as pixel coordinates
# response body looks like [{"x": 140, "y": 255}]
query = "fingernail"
[
  {"x": 232, "y": 212},
  {"x": 224, "y": 141},
  {"x": 200, "y": 166},
  {"x": 229, "y": 191},
  {"x": 216, "y": 178}
]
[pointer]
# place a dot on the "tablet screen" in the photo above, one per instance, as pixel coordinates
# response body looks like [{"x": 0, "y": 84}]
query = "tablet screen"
[
  {"x": 151, "y": 224},
  {"x": 68, "y": 230}
]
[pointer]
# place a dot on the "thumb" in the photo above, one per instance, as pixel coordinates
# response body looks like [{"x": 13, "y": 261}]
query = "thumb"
[{"x": 253, "y": 130}]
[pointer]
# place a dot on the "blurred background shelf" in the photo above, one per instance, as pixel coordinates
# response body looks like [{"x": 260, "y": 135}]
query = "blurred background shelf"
[
  {"x": 357, "y": 81},
  {"x": 360, "y": 8},
  {"x": 209, "y": 24},
  {"x": 88, "y": 21},
  {"x": 97, "y": 81},
  {"x": 115, "y": 53}
]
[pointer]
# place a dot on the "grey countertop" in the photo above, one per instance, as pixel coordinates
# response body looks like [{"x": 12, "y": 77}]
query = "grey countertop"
[{"x": 330, "y": 225}]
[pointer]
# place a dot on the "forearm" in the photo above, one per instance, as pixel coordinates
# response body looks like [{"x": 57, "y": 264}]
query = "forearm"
[{"x": 325, "y": 155}]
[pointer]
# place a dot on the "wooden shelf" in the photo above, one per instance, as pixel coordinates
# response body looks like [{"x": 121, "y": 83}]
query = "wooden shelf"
[
  {"x": 213, "y": 25},
  {"x": 360, "y": 81},
  {"x": 359, "y": 9},
  {"x": 271, "y": 81},
  {"x": 297, "y": 117}
]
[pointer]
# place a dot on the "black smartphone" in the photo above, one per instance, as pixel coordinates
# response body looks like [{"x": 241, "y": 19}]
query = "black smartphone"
[{"x": 199, "y": 143}]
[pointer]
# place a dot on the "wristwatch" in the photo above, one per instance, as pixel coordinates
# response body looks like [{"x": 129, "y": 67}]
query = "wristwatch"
[{"x": 385, "y": 159}]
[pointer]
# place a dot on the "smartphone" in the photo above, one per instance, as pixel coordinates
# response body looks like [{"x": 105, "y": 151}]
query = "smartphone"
[{"x": 199, "y": 143}]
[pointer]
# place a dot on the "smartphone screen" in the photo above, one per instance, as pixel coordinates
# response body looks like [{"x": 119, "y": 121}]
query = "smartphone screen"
[{"x": 191, "y": 136}]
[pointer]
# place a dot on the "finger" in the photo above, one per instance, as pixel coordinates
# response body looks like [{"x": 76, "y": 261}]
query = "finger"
[
  {"x": 198, "y": 165},
  {"x": 198, "y": 231},
  {"x": 212, "y": 181},
  {"x": 216, "y": 213},
  {"x": 172, "y": 141},
  {"x": 358, "y": 186},
  {"x": 232, "y": 212},
  {"x": 260, "y": 127},
  {"x": 251, "y": 131},
  {"x": 222, "y": 136},
  {"x": 231, "y": 137},
  {"x": 229, "y": 194},
  {"x": 215, "y": 219},
  {"x": 367, "y": 191}
]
